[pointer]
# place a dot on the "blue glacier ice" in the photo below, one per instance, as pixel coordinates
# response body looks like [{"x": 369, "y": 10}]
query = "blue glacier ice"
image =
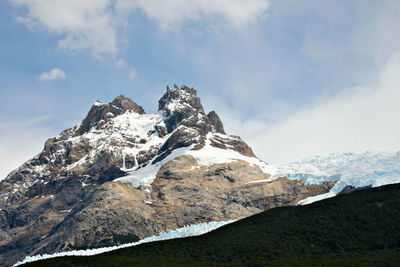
[
  {"x": 353, "y": 169},
  {"x": 186, "y": 231}
]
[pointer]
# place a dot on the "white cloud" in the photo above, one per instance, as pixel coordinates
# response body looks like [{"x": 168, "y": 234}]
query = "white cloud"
[
  {"x": 19, "y": 141},
  {"x": 334, "y": 118},
  {"x": 132, "y": 74},
  {"x": 358, "y": 119},
  {"x": 85, "y": 24},
  {"x": 53, "y": 74},
  {"x": 172, "y": 13},
  {"x": 93, "y": 25}
]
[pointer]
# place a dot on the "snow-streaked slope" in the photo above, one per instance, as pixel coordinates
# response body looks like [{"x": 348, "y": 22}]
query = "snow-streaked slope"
[
  {"x": 121, "y": 135},
  {"x": 206, "y": 156},
  {"x": 210, "y": 155},
  {"x": 353, "y": 169},
  {"x": 186, "y": 231},
  {"x": 145, "y": 176}
]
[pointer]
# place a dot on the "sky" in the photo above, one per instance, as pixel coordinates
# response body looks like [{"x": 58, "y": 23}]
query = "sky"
[{"x": 292, "y": 78}]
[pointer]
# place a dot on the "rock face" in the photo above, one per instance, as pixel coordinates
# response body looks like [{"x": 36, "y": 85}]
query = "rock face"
[
  {"x": 100, "y": 113},
  {"x": 122, "y": 175}
]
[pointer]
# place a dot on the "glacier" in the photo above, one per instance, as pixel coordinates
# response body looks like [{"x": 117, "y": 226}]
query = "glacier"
[
  {"x": 371, "y": 168},
  {"x": 186, "y": 231}
]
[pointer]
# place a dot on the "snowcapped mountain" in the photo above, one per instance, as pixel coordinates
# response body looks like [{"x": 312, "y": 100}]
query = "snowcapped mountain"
[
  {"x": 120, "y": 134},
  {"x": 122, "y": 175},
  {"x": 348, "y": 171}
]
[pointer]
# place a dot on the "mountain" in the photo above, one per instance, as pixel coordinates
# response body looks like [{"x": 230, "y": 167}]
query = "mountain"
[
  {"x": 357, "y": 229},
  {"x": 122, "y": 175}
]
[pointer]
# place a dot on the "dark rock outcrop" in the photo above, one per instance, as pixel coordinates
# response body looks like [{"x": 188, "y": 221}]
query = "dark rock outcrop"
[
  {"x": 216, "y": 122},
  {"x": 179, "y": 104}
]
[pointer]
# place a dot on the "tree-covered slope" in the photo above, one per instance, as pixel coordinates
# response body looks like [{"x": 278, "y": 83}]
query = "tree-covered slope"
[{"x": 359, "y": 228}]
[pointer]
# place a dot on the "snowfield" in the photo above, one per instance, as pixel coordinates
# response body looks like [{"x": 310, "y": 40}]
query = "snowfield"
[
  {"x": 206, "y": 156},
  {"x": 346, "y": 169},
  {"x": 186, "y": 231}
]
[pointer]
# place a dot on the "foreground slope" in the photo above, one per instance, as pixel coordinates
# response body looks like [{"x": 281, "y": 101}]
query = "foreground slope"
[
  {"x": 122, "y": 175},
  {"x": 359, "y": 228}
]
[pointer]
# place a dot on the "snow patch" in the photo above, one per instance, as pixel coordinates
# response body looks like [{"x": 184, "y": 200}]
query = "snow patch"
[
  {"x": 260, "y": 181},
  {"x": 98, "y": 103},
  {"x": 145, "y": 176},
  {"x": 206, "y": 156},
  {"x": 210, "y": 155},
  {"x": 65, "y": 211},
  {"x": 121, "y": 136}
]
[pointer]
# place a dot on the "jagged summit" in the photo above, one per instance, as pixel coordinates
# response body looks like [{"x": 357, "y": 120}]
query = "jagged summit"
[
  {"x": 179, "y": 105},
  {"x": 182, "y": 106},
  {"x": 100, "y": 113},
  {"x": 180, "y": 99},
  {"x": 119, "y": 137}
]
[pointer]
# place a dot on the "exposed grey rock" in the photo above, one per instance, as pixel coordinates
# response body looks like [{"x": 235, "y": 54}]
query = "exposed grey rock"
[
  {"x": 103, "y": 112},
  {"x": 216, "y": 122}
]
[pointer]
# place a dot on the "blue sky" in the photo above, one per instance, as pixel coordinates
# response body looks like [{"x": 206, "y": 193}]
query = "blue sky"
[{"x": 293, "y": 78}]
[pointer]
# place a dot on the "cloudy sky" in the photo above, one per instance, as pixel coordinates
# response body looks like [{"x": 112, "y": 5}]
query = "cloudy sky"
[{"x": 293, "y": 78}]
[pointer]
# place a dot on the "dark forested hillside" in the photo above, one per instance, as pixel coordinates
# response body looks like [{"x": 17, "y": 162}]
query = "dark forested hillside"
[{"x": 359, "y": 228}]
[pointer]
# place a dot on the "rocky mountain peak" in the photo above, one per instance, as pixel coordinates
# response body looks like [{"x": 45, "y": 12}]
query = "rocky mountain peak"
[
  {"x": 125, "y": 103},
  {"x": 123, "y": 174},
  {"x": 182, "y": 107},
  {"x": 119, "y": 136},
  {"x": 100, "y": 113},
  {"x": 180, "y": 99}
]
